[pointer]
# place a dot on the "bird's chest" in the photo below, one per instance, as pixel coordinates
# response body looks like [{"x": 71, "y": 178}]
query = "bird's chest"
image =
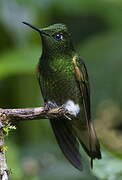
[
  {"x": 59, "y": 83},
  {"x": 63, "y": 91}
]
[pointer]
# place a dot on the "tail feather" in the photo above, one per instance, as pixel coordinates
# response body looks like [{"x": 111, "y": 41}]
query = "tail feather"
[
  {"x": 67, "y": 141},
  {"x": 89, "y": 141},
  {"x": 95, "y": 146},
  {"x": 69, "y": 135}
]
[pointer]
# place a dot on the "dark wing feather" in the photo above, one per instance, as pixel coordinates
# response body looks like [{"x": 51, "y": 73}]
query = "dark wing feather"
[
  {"x": 67, "y": 141},
  {"x": 85, "y": 89},
  {"x": 87, "y": 137}
]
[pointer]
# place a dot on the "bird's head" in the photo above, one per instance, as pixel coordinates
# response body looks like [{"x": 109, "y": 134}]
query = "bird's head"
[{"x": 55, "y": 38}]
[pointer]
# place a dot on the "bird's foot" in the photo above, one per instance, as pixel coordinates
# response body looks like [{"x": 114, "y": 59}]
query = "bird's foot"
[
  {"x": 50, "y": 105},
  {"x": 63, "y": 110}
]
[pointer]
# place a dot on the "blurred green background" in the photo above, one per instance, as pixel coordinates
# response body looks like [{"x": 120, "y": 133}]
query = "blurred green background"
[{"x": 96, "y": 28}]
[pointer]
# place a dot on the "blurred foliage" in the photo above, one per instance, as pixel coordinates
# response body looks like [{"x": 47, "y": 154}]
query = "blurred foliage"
[{"x": 96, "y": 28}]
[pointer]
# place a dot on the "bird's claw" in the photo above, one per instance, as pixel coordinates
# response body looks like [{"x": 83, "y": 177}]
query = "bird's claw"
[
  {"x": 49, "y": 105},
  {"x": 61, "y": 110},
  {"x": 64, "y": 111}
]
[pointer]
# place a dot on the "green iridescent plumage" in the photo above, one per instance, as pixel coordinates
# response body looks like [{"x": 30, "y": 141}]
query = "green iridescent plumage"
[{"x": 64, "y": 82}]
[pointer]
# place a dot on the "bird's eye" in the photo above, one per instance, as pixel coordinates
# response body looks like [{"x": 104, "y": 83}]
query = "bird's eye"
[{"x": 58, "y": 36}]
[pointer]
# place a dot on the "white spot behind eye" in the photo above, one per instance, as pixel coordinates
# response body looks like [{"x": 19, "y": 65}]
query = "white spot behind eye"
[{"x": 72, "y": 107}]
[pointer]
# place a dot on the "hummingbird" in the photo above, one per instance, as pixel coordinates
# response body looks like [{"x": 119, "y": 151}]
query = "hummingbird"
[{"x": 64, "y": 82}]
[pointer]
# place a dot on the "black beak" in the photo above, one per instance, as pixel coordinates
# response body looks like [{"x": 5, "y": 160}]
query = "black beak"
[{"x": 41, "y": 31}]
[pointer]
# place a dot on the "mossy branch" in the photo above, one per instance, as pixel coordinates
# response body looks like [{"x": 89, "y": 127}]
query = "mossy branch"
[
  {"x": 34, "y": 113},
  {"x": 8, "y": 115},
  {"x": 3, "y": 164}
]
